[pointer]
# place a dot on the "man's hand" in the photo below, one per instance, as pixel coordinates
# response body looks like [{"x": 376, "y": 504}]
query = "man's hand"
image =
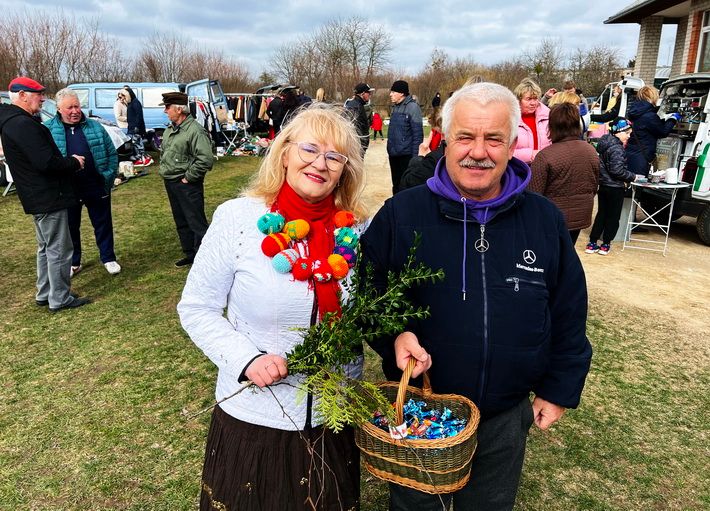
[
  {"x": 80, "y": 159},
  {"x": 550, "y": 92},
  {"x": 184, "y": 181},
  {"x": 407, "y": 346},
  {"x": 266, "y": 370},
  {"x": 545, "y": 414}
]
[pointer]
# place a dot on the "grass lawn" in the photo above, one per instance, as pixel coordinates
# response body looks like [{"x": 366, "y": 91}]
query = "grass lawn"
[{"x": 92, "y": 400}]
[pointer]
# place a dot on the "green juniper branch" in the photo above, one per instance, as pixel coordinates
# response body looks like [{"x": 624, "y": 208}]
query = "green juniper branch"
[{"x": 368, "y": 314}]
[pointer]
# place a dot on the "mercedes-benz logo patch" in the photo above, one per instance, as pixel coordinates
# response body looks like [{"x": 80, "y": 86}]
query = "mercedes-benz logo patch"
[
  {"x": 481, "y": 245},
  {"x": 529, "y": 256}
]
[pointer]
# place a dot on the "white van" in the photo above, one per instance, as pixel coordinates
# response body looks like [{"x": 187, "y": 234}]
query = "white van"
[
  {"x": 687, "y": 148},
  {"x": 97, "y": 99},
  {"x": 630, "y": 86}
]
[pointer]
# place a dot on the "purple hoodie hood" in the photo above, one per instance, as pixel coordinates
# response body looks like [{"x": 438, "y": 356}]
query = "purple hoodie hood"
[{"x": 513, "y": 182}]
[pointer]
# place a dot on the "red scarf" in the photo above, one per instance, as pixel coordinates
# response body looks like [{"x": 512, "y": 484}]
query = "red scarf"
[{"x": 320, "y": 239}]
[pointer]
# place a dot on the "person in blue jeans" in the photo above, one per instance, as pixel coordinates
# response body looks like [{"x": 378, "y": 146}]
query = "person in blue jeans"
[
  {"x": 614, "y": 175},
  {"x": 75, "y": 134}
]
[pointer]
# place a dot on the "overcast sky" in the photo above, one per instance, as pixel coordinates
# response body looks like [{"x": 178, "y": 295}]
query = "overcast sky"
[{"x": 489, "y": 31}]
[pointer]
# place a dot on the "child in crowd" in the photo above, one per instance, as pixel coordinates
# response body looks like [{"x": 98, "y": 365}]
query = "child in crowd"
[
  {"x": 435, "y": 123},
  {"x": 376, "y": 126},
  {"x": 613, "y": 179}
]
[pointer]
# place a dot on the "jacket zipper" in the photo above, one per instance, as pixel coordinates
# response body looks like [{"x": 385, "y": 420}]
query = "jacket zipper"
[
  {"x": 517, "y": 280},
  {"x": 485, "y": 329}
]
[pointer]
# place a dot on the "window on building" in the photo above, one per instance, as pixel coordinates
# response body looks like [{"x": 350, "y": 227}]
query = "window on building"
[{"x": 704, "y": 54}]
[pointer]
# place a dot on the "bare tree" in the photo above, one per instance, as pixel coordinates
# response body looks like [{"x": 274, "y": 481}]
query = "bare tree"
[
  {"x": 509, "y": 72},
  {"x": 593, "y": 68},
  {"x": 338, "y": 55},
  {"x": 444, "y": 75},
  {"x": 58, "y": 49},
  {"x": 545, "y": 62},
  {"x": 377, "y": 49},
  {"x": 164, "y": 57},
  {"x": 168, "y": 57}
]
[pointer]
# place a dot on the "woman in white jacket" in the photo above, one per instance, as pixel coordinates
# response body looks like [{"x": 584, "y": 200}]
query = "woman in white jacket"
[
  {"x": 265, "y": 448},
  {"x": 120, "y": 110}
]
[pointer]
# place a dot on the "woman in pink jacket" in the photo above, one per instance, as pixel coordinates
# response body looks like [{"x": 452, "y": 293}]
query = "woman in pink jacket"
[{"x": 532, "y": 127}]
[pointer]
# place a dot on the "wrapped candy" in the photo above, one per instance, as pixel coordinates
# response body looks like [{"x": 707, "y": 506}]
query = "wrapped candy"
[{"x": 423, "y": 423}]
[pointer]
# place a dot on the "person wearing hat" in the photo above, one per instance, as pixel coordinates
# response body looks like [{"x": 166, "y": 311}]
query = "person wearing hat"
[
  {"x": 405, "y": 131},
  {"x": 356, "y": 108},
  {"x": 185, "y": 158},
  {"x": 614, "y": 177},
  {"x": 43, "y": 178}
]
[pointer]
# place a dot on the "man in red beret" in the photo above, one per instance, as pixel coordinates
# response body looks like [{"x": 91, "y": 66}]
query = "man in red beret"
[{"x": 43, "y": 180}]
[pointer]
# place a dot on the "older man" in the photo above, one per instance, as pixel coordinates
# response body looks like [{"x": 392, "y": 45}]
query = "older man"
[
  {"x": 43, "y": 180},
  {"x": 75, "y": 134},
  {"x": 509, "y": 318},
  {"x": 405, "y": 131},
  {"x": 186, "y": 156},
  {"x": 356, "y": 106}
]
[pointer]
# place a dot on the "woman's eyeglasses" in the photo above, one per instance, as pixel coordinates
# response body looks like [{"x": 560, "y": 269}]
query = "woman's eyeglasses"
[{"x": 310, "y": 153}]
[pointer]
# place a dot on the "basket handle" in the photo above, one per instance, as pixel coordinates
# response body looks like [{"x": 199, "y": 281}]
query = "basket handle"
[{"x": 402, "y": 390}]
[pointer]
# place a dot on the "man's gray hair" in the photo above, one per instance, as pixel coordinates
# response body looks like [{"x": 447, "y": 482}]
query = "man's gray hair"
[
  {"x": 483, "y": 93},
  {"x": 65, "y": 93},
  {"x": 14, "y": 96},
  {"x": 183, "y": 108}
]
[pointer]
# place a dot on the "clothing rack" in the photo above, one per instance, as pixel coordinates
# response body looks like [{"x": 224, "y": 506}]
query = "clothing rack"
[{"x": 250, "y": 110}]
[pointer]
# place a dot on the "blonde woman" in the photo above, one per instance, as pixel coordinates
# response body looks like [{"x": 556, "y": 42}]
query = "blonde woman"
[
  {"x": 120, "y": 109},
  {"x": 567, "y": 96},
  {"x": 532, "y": 127},
  {"x": 265, "y": 448},
  {"x": 648, "y": 128}
]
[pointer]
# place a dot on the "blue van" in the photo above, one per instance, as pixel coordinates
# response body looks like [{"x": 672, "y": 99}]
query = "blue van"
[{"x": 98, "y": 98}]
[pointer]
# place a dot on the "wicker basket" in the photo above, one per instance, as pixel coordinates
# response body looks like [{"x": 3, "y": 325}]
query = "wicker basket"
[{"x": 431, "y": 466}]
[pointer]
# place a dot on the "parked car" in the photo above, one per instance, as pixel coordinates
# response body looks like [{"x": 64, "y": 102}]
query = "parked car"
[{"x": 121, "y": 141}]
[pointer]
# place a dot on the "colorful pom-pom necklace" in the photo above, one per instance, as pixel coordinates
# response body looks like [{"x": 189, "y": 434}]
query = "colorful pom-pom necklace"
[{"x": 282, "y": 237}]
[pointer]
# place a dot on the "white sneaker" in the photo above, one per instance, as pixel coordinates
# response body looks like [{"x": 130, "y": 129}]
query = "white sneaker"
[
  {"x": 112, "y": 267},
  {"x": 75, "y": 270}
]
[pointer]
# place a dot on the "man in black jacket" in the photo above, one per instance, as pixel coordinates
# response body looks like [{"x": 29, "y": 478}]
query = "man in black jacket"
[
  {"x": 509, "y": 317},
  {"x": 43, "y": 180},
  {"x": 356, "y": 106}
]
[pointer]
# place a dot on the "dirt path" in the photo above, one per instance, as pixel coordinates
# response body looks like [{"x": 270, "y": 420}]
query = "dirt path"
[{"x": 674, "y": 288}]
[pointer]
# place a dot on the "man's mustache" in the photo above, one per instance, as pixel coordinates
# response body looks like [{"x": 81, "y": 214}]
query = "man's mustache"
[{"x": 479, "y": 164}]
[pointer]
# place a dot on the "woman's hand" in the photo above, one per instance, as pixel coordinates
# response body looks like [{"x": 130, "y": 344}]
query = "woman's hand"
[
  {"x": 424, "y": 146},
  {"x": 267, "y": 370},
  {"x": 407, "y": 346}
]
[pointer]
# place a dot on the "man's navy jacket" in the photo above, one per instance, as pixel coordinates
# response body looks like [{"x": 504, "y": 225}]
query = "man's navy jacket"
[{"x": 521, "y": 326}]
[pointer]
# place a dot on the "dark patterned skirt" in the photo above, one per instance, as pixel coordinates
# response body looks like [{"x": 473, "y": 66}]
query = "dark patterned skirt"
[{"x": 257, "y": 468}]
